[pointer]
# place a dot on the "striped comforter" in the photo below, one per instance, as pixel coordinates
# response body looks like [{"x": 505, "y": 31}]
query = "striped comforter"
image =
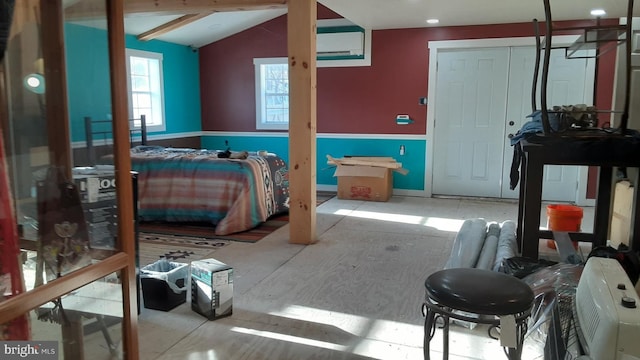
[{"x": 187, "y": 185}]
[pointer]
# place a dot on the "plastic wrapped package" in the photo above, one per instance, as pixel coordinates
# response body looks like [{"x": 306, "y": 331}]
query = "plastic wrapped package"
[
  {"x": 507, "y": 245},
  {"x": 520, "y": 266},
  {"x": 553, "y": 286},
  {"x": 469, "y": 250},
  {"x": 490, "y": 247},
  {"x": 467, "y": 244}
]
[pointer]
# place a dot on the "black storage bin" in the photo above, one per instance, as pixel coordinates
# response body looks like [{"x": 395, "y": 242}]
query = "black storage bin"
[{"x": 163, "y": 284}]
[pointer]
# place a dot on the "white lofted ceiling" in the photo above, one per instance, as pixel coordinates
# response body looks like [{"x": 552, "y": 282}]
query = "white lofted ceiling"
[
  {"x": 393, "y": 14},
  {"x": 212, "y": 28},
  {"x": 381, "y": 14}
]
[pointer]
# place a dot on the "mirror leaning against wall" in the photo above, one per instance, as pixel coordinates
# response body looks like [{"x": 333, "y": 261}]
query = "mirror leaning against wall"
[{"x": 61, "y": 249}]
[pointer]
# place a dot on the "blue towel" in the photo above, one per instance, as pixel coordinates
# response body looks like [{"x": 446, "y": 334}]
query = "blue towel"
[{"x": 535, "y": 126}]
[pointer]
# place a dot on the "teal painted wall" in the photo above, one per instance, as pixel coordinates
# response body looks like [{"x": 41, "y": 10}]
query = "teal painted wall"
[
  {"x": 413, "y": 160},
  {"x": 88, "y": 83},
  {"x": 181, "y": 84}
]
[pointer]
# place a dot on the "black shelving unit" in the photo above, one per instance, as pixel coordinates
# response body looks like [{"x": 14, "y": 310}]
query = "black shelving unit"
[{"x": 603, "y": 148}]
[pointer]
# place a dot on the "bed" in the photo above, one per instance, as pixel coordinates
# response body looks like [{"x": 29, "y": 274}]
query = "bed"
[
  {"x": 234, "y": 193},
  {"x": 189, "y": 185}
]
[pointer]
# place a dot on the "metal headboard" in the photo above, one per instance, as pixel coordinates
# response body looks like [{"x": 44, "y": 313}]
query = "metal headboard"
[{"x": 102, "y": 129}]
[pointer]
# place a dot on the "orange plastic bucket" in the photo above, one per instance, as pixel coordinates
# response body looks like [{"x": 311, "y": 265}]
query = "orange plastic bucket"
[{"x": 563, "y": 218}]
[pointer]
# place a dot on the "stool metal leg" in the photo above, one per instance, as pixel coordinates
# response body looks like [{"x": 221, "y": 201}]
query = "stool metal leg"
[
  {"x": 429, "y": 331},
  {"x": 521, "y": 330},
  {"x": 445, "y": 337},
  {"x": 430, "y": 324},
  {"x": 433, "y": 312}
]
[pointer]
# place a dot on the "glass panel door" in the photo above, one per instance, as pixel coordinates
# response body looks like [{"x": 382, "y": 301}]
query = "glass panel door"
[{"x": 67, "y": 268}]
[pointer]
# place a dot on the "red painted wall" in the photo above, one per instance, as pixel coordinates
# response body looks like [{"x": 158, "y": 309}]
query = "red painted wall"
[
  {"x": 350, "y": 99},
  {"x": 363, "y": 100},
  {"x": 227, "y": 90}
]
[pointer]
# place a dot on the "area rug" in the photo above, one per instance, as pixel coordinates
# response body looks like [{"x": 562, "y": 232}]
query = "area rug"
[
  {"x": 154, "y": 246},
  {"x": 207, "y": 230}
]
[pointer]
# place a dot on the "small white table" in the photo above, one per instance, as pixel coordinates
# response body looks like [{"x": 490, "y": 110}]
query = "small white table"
[{"x": 98, "y": 300}]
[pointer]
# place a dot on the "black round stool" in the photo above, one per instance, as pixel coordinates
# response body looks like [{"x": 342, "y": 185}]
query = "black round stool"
[{"x": 488, "y": 294}]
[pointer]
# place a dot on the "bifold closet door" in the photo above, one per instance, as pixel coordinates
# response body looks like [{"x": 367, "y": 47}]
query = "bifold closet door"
[{"x": 483, "y": 95}]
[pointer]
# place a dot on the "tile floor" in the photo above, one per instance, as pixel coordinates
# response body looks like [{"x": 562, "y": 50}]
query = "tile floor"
[{"x": 355, "y": 294}]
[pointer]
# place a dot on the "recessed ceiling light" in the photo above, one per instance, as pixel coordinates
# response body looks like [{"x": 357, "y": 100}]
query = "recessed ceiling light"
[
  {"x": 598, "y": 12},
  {"x": 433, "y": 21}
]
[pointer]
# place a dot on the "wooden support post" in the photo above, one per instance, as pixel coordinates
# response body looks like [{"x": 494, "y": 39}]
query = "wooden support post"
[
  {"x": 126, "y": 237},
  {"x": 57, "y": 113},
  {"x": 301, "y": 22}
]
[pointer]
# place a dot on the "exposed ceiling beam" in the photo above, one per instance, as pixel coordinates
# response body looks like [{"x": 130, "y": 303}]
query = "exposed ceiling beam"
[
  {"x": 171, "y": 25},
  {"x": 95, "y": 8},
  {"x": 191, "y": 6}
]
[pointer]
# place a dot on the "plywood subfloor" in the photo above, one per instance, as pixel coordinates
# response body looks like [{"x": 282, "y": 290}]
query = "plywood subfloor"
[{"x": 356, "y": 294}]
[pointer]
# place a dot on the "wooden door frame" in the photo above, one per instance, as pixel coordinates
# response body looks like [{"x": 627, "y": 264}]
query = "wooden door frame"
[
  {"x": 434, "y": 48},
  {"x": 60, "y": 155}
]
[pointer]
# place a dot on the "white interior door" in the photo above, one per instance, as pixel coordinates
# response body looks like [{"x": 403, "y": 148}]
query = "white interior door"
[
  {"x": 483, "y": 94},
  {"x": 469, "y": 121},
  {"x": 567, "y": 85}
]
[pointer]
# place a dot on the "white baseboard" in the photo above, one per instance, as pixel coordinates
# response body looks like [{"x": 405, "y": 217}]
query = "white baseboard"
[
  {"x": 405, "y": 192},
  {"x": 399, "y": 192},
  {"x": 333, "y": 188}
]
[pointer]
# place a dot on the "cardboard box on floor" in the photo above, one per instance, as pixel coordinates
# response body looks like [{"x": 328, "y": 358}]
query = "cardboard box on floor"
[{"x": 365, "y": 178}]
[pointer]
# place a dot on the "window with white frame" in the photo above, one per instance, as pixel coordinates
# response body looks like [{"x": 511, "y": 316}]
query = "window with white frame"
[
  {"x": 145, "y": 87},
  {"x": 272, "y": 93}
]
